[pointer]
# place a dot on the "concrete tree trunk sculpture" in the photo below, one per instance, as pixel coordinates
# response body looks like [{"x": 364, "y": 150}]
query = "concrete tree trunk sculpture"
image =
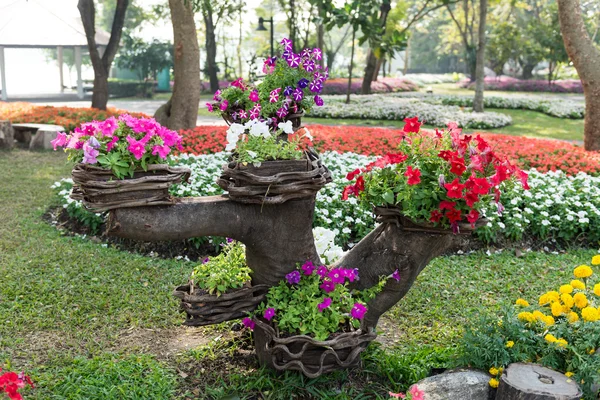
[{"x": 278, "y": 237}]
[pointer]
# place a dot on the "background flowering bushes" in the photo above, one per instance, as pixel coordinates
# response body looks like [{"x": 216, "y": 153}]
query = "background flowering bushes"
[
  {"x": 382, "y": 85},
  {"x": 398, "y": 108},
  {"x": 68, "y": 117},
  {"x": 518, "y": 85}
]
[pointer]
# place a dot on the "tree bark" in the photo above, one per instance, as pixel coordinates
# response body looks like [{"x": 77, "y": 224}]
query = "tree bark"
[
  {"x": 480, "y": 66},
  {"x": 181, "y": 111},
  {"x": 350, "y": 67},
  {"x": 321, "y": 42},
  {"x": 380, "y": 62},
  {"x": 211, "y": 45},
  {"x": 7, "y": 139},
  {"x": 586, "y": 59},
  {"x": 102, "y": 64},
  {"x": 371, "y": 59},
  {"x": 528, "y": 70}
]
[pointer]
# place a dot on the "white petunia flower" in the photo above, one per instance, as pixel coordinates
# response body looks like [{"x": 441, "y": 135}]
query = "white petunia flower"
[{"x": 286, "y": 127}]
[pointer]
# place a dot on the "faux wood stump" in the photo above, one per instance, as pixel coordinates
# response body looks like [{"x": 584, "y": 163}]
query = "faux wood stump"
[
  {"x": 7, "y": 140},
  {"x": 522, "y": 381}
]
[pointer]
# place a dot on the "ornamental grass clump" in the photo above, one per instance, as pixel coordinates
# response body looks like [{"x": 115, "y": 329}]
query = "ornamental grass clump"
[
  {"x": 226, "y": 271},
  {"x": 560, "y": 330},
  {"x": 317, "y": 301},
  {"x": 443, "y": 178},
  {"x": 122, "y": 144}
]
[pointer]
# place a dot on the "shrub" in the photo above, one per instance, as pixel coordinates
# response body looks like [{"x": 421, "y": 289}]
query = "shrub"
[{"x": 518, "y": 85}]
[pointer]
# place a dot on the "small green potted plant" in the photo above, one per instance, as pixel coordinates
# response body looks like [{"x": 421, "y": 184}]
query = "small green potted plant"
[
  {"x": 312, "y": 321},
  {"x": 437, "y": 181},
  {"x": 122, "y": 162},
  {"x": 220, "y": 288}
]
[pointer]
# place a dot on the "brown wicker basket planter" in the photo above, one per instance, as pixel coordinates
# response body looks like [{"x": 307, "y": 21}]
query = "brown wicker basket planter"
[
  {"x": 100, "y": 190},
  {"x": 391, "y": 214},
  {"x": 274, "y": 182},
  {"x": 307, "y": 355},
  {"x": 202, "y": 308},
  {"x": 295, "y": 118}
]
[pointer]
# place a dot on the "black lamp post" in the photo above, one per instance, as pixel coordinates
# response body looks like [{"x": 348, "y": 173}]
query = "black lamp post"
[{"x": 261, "y": 27}]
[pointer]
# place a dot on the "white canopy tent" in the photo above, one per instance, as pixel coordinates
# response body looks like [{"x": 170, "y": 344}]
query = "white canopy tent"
[{"x": 44, "y": 24}]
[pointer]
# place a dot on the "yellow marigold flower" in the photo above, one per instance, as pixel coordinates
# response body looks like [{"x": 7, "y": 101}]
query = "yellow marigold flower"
[
  {"x": 557, "y": 309},
  {"x": 566, "y": 289},
  {"x": 538, "y": 315},
  {"x": 596, "y": 260},
  {"x": 493, "y": 371},
  {"x": 494, "y": 383},
  {"x": 549, "y": 320},
  {"x": 577, "y": 284},
  {"x": 562, "y": 342},
  {"x": 583, "y": 271},
  {"x": 597, "y": 289},
  {"x": 569, "y": 374},
  {"x": 573, "y": 317},
  {"x": 522, "y": 302},
  {"x": 580, "y": 300},
  {"x": 567, "y": 300},
  {"x": 592, "y": 351},
  {"x": 550, "y": 338},
  {"x": 590, "y": 314},
  {"x": 526, "y": 316},
  {"x": 510, "y": 344}
]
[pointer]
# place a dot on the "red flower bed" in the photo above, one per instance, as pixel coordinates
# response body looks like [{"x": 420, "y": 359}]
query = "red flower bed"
[
  {"x": 68, "y": 117},
  {"x": 543, "y": 154}
]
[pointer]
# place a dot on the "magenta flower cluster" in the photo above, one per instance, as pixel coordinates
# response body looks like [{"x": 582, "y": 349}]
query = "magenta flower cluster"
[{"x": 134, "y": 136}]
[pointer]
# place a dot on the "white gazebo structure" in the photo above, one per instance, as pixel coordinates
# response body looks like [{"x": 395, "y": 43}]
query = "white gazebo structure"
[{"x": 44, "y": 24}]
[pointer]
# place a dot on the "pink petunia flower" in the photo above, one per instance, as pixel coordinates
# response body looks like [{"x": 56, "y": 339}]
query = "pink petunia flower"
[
  {"x": 60, "y": 141},
  {"x": 136, "y": 147},
  {"x": 324, "y": 304},
  {"x": 111, "y": 144},
  {"x": 269, "y": 313},
  {"x": 163, "y": 151},
  {"x": 358, "y": 311},
  {"x": 109, "y": 126}
]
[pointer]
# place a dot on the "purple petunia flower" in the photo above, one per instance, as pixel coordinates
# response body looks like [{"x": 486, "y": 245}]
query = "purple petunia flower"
[
  {"x": 327, "y": 286},
  {"x": 206, "y": 260},
  {"x": 308, "y": 267},
  {"x": 317, "y": 53},
  {"x": 303, "y": 83},
  {"x": 243, "y": 114},
  {"x": 293, "y": 277},
  {"x": 281, "y": 112},
  {"x": 286, "y": 54},
  {"x": 287, "y": 43},
  {"x": 316, "y": 86},
  {"x": 324, "y": 304},
  {"x": 269, "y": 313},
  {"x": 318, "y": 77},
  {"x": 274, "y": 96},
  {"x": 336, "y": 276},
  {"x": 224, "y": 105},
  {"x": 349, "y": 274},
  {"x": 358, "y": 311},
  {"x": 253, "y": 97},
  {"x": 319, "y": 101},
  {"x": 217, "y": 96},
  {"x": 248, "y": 323},
  {"x": 210, "y": 107},
  {"x": 288, "y": 90},
  {"x": 298, "y": 94},
  {"x": 322, "y": 271},
  {"x": 396, "y": 275},
  {"x": 309, "y": 66},
  {"x": 255, "y": 111},
  {"x": 293, "y": 60}
]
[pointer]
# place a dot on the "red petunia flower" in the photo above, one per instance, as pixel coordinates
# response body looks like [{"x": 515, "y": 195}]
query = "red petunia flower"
[
  {"x": 472, "y": 217},
  {"x": 436, "y": 216},
  {"x": 360, "y": 184},
  {"x": 453, "y": 215},
  {"x": 414, "y": 175},
  {"x": 447, "y": 205},
  {"x": 457, "y": 166},
  {"x": 455, "y": 189},
  {"x": 471, "y": 198},
  {"x": 412, "y": 125},
  {"x": 352, "y": 175}
]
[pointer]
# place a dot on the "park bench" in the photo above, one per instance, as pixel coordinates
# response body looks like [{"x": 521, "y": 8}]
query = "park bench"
[{"x": 36, "y": 136}]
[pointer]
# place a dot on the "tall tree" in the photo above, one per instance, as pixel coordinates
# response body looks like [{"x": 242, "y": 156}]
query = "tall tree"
[
  {"x": 586, "y": 59},
  {"x": 479, "y": 70},
  {"x": 102, "y": 64},
  {"x": 181, "y": 111},
  {"x": 464, "y": 20}
]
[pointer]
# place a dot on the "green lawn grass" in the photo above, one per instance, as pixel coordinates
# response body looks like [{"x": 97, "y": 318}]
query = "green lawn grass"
[{"x": 68, "y": 307}]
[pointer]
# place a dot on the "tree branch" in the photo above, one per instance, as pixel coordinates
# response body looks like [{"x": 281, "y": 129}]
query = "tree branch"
[
  {"x": 115, "y": 34},
  {"x": 88, "y": 19}
]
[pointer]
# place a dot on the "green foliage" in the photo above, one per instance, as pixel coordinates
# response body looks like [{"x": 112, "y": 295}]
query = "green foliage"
[
  {"x": 257, "y": 149},
  {"x": 226, "y": 271},
  {"x": 296, "y": 305},
  {"x": 107, "y": 377},
  {"x": 93, "y": 221},
  {"x": 146, "y": 58}
]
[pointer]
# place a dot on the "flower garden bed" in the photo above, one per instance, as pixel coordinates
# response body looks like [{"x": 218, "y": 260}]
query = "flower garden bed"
[
  {"x": 383, "y": 85},
  {"x": 509, "y": 84},
  {"x": 68, "y": 117},
  {"x": 397, "y": 108}
]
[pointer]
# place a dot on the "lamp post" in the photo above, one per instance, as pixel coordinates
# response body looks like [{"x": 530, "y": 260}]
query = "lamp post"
[{"x": 261, "y": 27}]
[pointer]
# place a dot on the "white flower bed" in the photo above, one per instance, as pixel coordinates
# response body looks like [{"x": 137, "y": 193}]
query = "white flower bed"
[
  {"x": 397, "y": 108},
  {"x": 430, "y": 79},
  {"x": 554, "y": 108},
  {"x": 558, "y": 206}
]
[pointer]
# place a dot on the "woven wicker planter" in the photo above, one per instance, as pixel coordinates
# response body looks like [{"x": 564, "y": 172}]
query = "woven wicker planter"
[
  {"x": 295, "y": 118},
  {"x": 274, "y": 182},
  {"x": 307, "y": 355},
  {"x": 100, "y": 190},
  {"x": 392, "y": 214},
  {"x": 202, "y": 308}
]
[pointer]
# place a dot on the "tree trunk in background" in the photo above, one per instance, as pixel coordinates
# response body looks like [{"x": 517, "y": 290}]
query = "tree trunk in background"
[
  {"x": 480, "y": 67},
  {"x": 101, "y": 64},
  {"x": 211, "y": 45},
  {"x": 528, "y": 70},
  {"x": 371, "y": 59},
  {"x": 350, "y": 67},
  {"x": 586, "y": 59},
  {"x": 471, "y": 62},
  {"x": 181, "y": 111},
  {"x": 406, "y": 56},
  {"x": 378, "y": 68},
  {"x": 239, "y": 46},
  {"x": 321, "y": 43},
  {"x": 293, "y": 26}
]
